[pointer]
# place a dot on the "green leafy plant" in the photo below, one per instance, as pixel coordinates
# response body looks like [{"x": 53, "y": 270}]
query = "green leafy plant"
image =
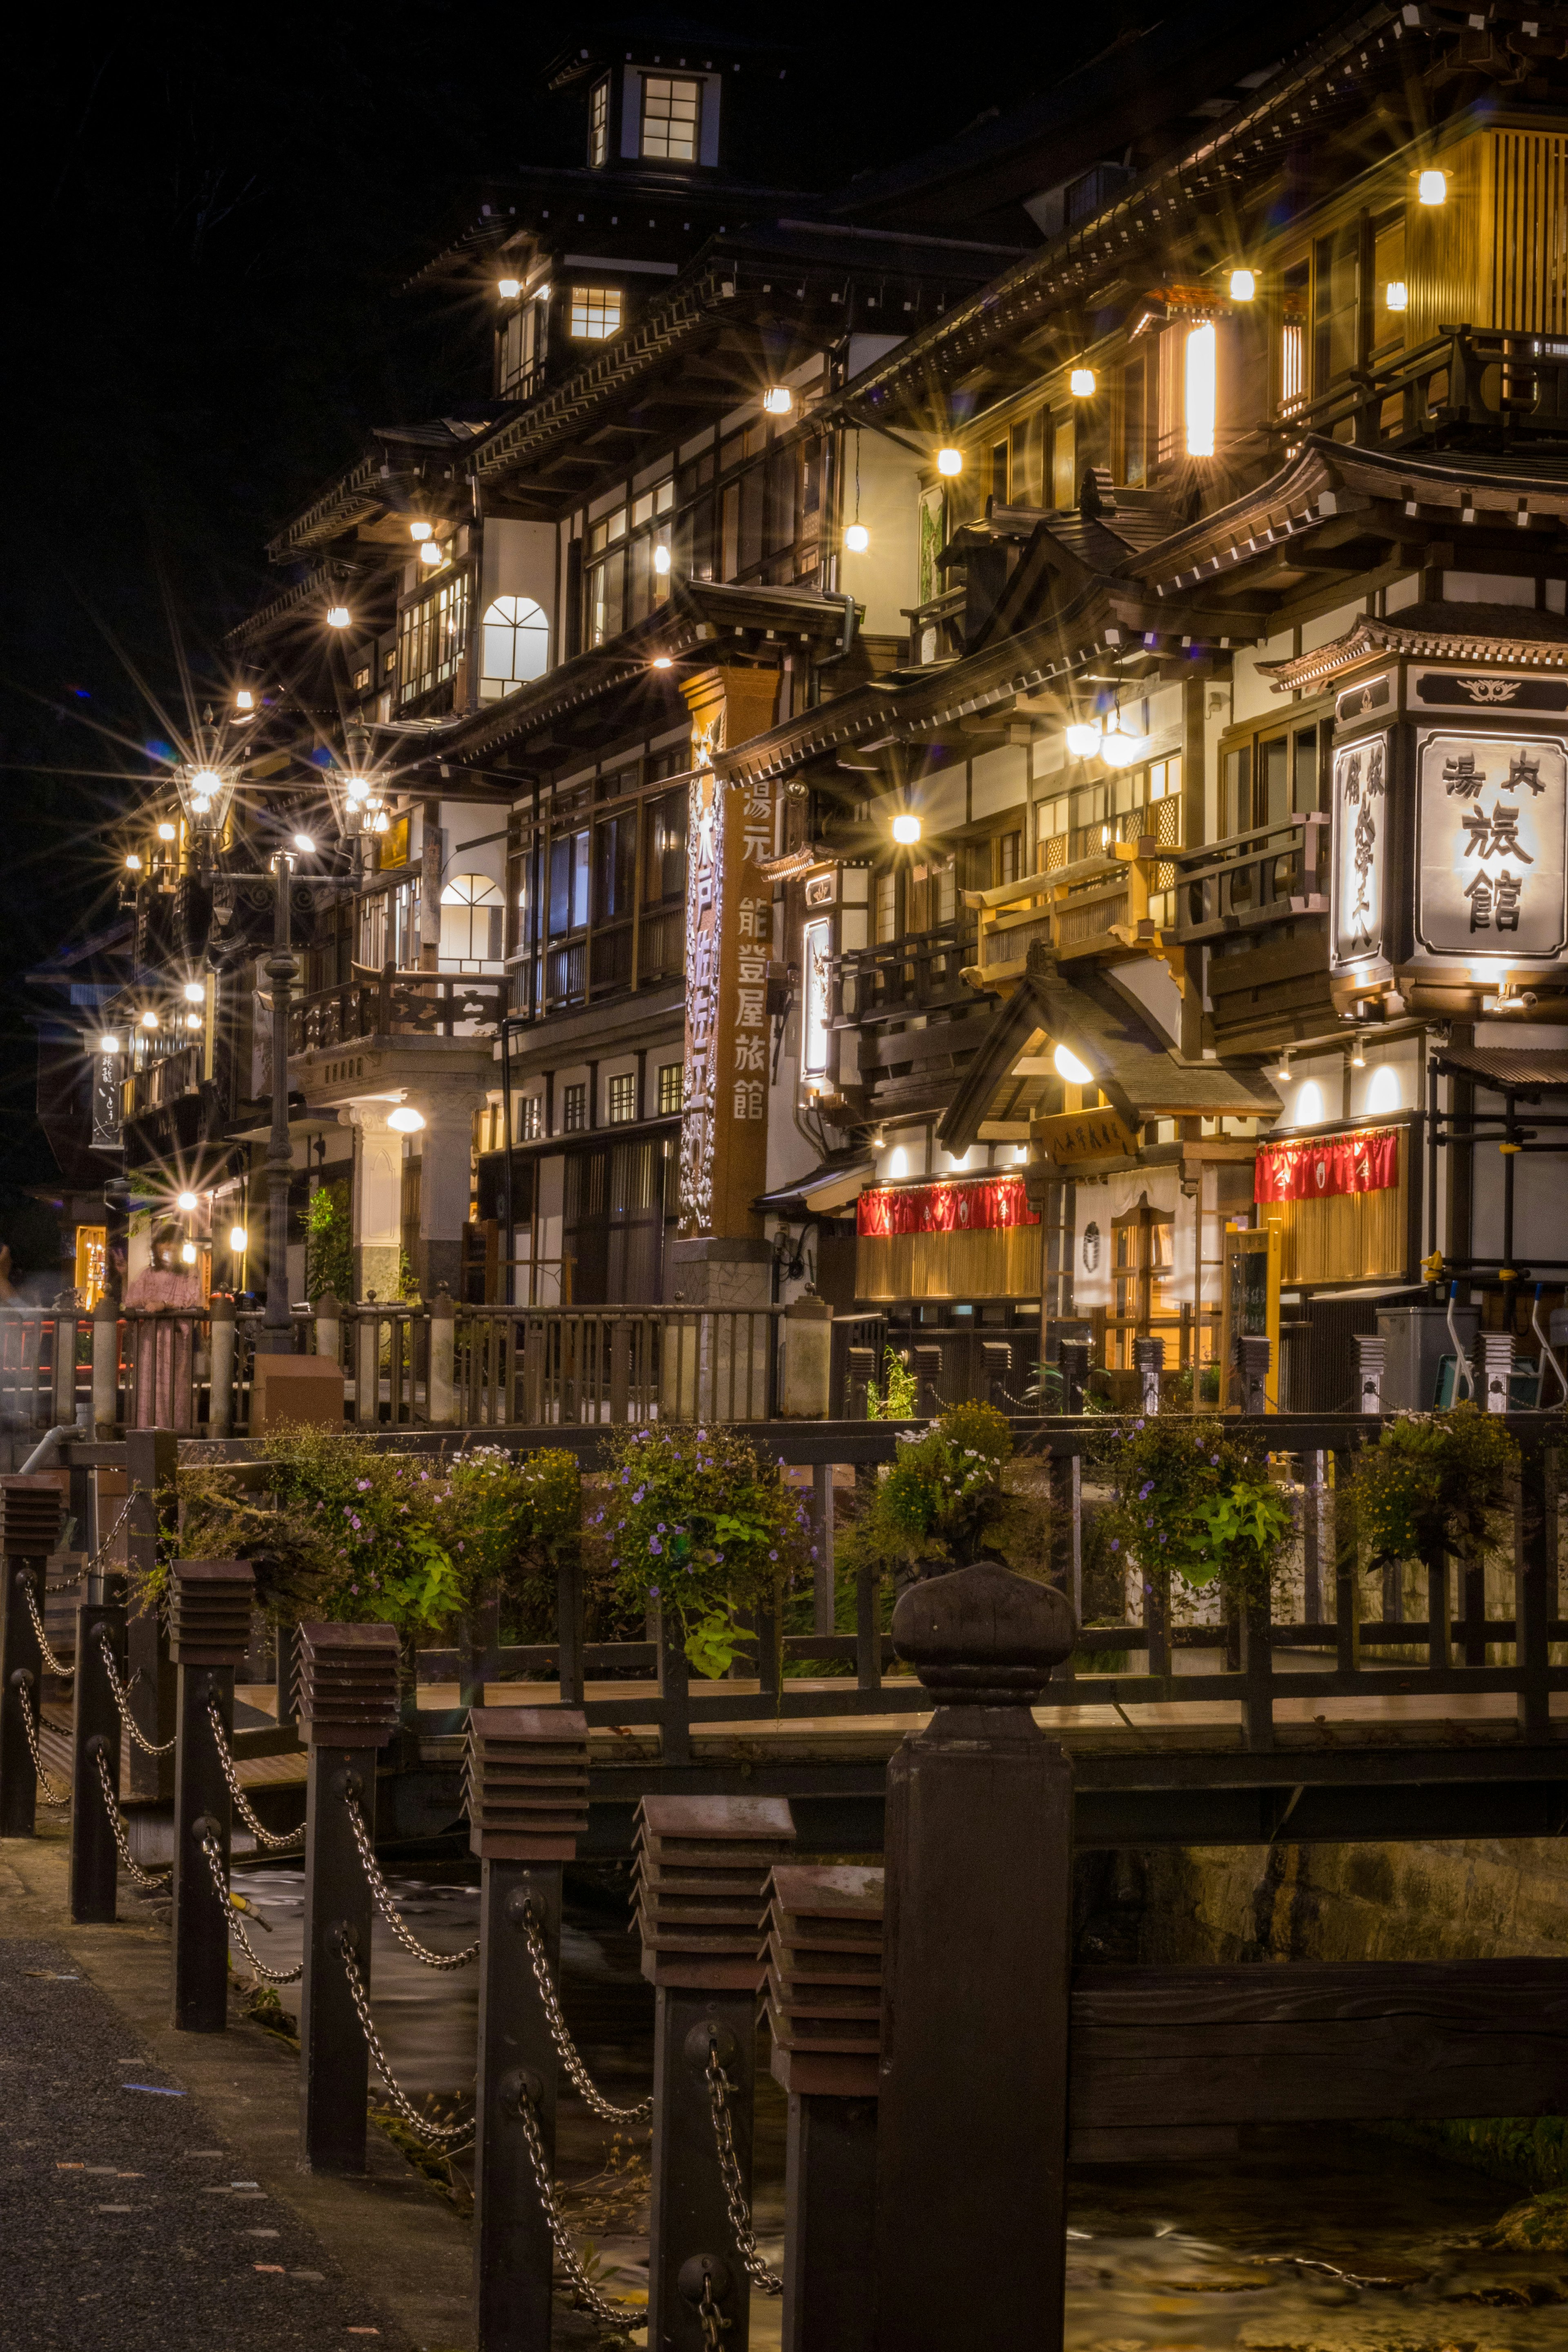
[
  {"x": 898, "y": 1399},
  {"x": 328, "y": 1243},
  {"x": 1196, "y": 1501},
  {"x": 693, "y": 1522},
  {"x": 945, "y": 1497},
  {"x": 1433, "y": 1482}
]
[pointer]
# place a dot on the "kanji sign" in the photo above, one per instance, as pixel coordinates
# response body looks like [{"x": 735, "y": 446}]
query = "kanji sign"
[
  {"x": 993, "y": 1202},
  {"x": 1361, "y": 852},
  {"x": 1338, "y": 1164},
  {"x": 1490, "y": 868}
]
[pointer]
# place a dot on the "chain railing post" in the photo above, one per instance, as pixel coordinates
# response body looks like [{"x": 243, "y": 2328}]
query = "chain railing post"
[
  {"x": 151, "y": 1457},
  {"x": 95, "y": 1733},
  {"x": 528, "y": 1805},
  {"x": 348, "y": 1710},
  {"x": 708, "y": 1978},
  {"x": 209, "y": 1632},
  {"x": 972, "y": 2121},
  {"x": 825, "y": 1987},
  {"x": 29, "y": 1531}
]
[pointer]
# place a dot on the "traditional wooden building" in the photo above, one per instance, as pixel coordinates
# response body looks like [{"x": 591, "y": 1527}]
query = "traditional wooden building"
[{"x": 985, "y": 736}]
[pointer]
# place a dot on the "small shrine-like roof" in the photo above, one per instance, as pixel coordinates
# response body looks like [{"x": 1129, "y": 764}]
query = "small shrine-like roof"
[{"x": 1493, "y": 633}]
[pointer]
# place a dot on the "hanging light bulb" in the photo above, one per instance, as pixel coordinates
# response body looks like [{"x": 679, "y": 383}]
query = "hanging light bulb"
[
  {"x": 1119, "y": 748},
  {"x": 238, "y": 1241},
  {"x": 1083, "y": 738},
  {"x": 194, "y": 992},
  {"x": 133, "y": 863},
  {"x": 778, "y": 400},
  {"x": 245, "y": 700},
  {"x": 432, "y": 555},
  {"x": 185, "y": 1202},
  {"x": 149, "y": 1021},
  {"x": 1358, "y": 1055},
  {"x": 1081, "y": 384},
  {"x": 167, "y": 831},
  {"x": 108, "y": 1042},
  {"x": 419, "y": 530},
  {"x": 193, "y": 1020},
  {"x": 339, "y": 616},
  {"x": 1068, "y": 1066},
  {"x": 907, "y": 829},
  {"x": 856, "y": 538},
  {"x": 950, "y": 461}
]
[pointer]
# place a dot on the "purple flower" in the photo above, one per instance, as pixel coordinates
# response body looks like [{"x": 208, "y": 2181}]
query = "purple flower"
[
  {"x": 772, "y": 1555},
  {"x": 1116, "y": 1543},
  {"x": 814, "y": 1551},
  {"x": 655, "y": 1546},
  {"x": 661, "y": 1528},
  {"x": 1145, "y": 1490},
  {"x": 653, "y": 1592},
  {"x": 362, "y": 1485},
  {"x": 636, "y": 1498},
  {"x": 1213, "y": 1460}
]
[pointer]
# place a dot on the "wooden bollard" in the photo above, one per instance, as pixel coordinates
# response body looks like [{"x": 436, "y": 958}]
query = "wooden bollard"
[
  {"x": 972, "y": 2122},
  {"x": 95, "y": 1735},
  {"x": 527, "y": 1793},
  {"x": 29, "y": 1531},
  {"x": 210, "y": 1602},
  {"x": 151, "y": 1459},
  {"x": 703, "y": 1871},
  {"x": 348, "y": 1710},
  {"x": 824, "y": 2004}
]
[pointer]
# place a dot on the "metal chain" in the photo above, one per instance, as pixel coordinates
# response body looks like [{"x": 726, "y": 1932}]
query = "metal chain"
[
  {"x": 567, "y": 2049},
  {"x": 612, "y": 2314},
  {"x": 214, "y": 1854},
  {"x": 149, "y": 1883},
  {"x": 73, "y": 1583},
  {"x": 119, "y": 1691},
  {"x": 388, "y": 1909},
  {"x": 713, "y": 2322},
  {"x": 242, "y": 1805},
  {"x": 447, "y": 2135},
  {"x": 56, "y": 1798},
  {"x": 756, "y": 2270},
  {"x": 54, "y": 1664}
]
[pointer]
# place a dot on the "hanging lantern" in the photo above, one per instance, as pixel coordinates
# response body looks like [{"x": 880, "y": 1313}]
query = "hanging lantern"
[{"x": 205, "y": 790}]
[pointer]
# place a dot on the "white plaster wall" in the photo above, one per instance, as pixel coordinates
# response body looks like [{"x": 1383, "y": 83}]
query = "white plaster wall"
[
  {"x": 518, "y": 559},
  {"x": 886, "y": 578},
  {"x": 999, "y": 780},
  {"x": 1254, "y": 694}
]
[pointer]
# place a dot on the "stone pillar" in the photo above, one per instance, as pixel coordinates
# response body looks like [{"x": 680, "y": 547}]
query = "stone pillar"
[
  {"x": 729, "y": 905},
  {"x": 377, "y": 1220},
  {"x": 446, "y": 1151}
]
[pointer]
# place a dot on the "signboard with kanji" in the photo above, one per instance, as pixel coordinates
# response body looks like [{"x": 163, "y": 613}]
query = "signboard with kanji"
[
  {"x": 1361, "y": 851},
  {"x": 1491, "y": 875}
]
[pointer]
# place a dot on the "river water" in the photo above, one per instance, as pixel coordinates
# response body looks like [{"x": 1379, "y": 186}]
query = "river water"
[{"x": 1318, "y": 2240}]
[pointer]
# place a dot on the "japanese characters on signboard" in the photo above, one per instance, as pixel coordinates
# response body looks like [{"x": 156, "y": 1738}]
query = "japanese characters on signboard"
[
  {"x": 1361, "y": 851},
  {"x": 1490, "y": 867},
  {"x": 728, "y": 912},
  {"x": 816, "y": 943}
]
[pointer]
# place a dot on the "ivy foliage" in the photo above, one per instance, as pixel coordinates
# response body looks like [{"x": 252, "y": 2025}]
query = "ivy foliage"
[
  {"x": 692, "y": 1522},
  {"x": 1435, "y": 1481},
  {"x": 1197, "y": 1500},
  {"x": 328, "y": 1243}
]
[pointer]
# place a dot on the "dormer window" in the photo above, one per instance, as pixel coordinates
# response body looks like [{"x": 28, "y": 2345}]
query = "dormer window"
[
  {"x": 599, "y": 123},
  {"x": 671, "y": 118},
  {"x": 596, "y": 313}
]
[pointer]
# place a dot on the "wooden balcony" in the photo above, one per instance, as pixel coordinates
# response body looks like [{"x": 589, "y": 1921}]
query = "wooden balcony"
[
  {"x": 1462, "y": 379},
  {"x": 1098, "y": 905},
  {"x": 1270, "y": 875},
  {"x": 393, "y": 1003}
]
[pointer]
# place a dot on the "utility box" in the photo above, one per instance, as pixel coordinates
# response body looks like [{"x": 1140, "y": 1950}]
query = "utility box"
[{"x": 1417, "y": 1338}]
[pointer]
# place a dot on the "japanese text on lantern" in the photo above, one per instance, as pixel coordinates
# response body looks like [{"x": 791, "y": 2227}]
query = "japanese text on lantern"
[{"x": 1491, "y": 852}]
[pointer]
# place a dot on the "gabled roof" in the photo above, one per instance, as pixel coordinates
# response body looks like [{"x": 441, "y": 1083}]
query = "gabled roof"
[
  {"x": 1137, "y": 1072},
  {"x": 1495, "y": 632}
]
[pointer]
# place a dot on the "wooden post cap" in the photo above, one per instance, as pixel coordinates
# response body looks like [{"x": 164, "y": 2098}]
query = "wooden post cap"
[
  {"x": 210, "y": 1605},
  {"x": 348, "y": 1684},
  {"x": 525, "y": 1782},
  {"x": 982, "y": 1636},
  {"x": 29, "y": 1518},
  {"x": 701, "y": 1886}
]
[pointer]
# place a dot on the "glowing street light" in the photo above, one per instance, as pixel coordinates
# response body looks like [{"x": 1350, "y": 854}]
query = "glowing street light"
[{"x": 907, "y": 829}]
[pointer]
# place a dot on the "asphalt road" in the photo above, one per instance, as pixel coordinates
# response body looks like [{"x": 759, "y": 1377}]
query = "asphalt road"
[{"x": 123, "y": 2223}]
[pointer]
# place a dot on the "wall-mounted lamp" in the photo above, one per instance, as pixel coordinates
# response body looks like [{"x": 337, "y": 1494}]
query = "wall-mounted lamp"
[
  {"x": 950, "y": 461},
  {"x": 1432, "y": 187},
  {"x": 339, "y": 616},
  {"x": 404, "y": 1119},
  {"x": 1243, "y": 285},
  {"x": 1068, "y": 1066},
  {"x": 1081, "y": 384},
  {"x": 509, "y": 289},
  {"x": 778, "y": 400},
  {"x": 907, "y": 829},
  {"x": 1396, "y": 295}
]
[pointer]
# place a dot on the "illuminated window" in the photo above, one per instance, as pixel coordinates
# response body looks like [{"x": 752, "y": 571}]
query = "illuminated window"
[
  {"x": 669, "y": 1089},
  {"x": 514, "y": 640},
  {"x": 431, "y": 639},
  {"x": 596, "y": 313},
  {"x": 472, "y": 911},
  {"x": 1202, "y": 363},
  {"x": 671, "y": 112},
  {"x": 599, "y": 122},
  {"x": 530, "y": 1125},
  {"x": 518, "y": 351},
  {"x": 621, "y": 1100},
  {"x": 575, "y": 1107}
]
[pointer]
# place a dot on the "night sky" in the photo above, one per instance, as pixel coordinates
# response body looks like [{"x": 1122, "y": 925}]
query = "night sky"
[{"x": 209, "y": 216}]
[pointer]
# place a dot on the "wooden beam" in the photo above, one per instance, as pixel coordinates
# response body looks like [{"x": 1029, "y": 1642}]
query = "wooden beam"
[{"x": 1194, "y": 2049}]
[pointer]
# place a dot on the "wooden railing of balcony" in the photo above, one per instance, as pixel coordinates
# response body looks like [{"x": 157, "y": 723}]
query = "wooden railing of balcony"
[
  {"x": 1463, "y": 376},
  {"x": 1270, "y": 873},
  {"x": 393, "y": 1003}
]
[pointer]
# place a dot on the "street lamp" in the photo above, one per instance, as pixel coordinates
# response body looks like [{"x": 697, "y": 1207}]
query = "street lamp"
[{"x": 205, "y": 790}]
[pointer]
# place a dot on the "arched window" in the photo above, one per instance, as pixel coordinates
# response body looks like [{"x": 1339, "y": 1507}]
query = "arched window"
[
  {"x": 472, "y": 911},
  {"x": 514, "y": 641}
]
